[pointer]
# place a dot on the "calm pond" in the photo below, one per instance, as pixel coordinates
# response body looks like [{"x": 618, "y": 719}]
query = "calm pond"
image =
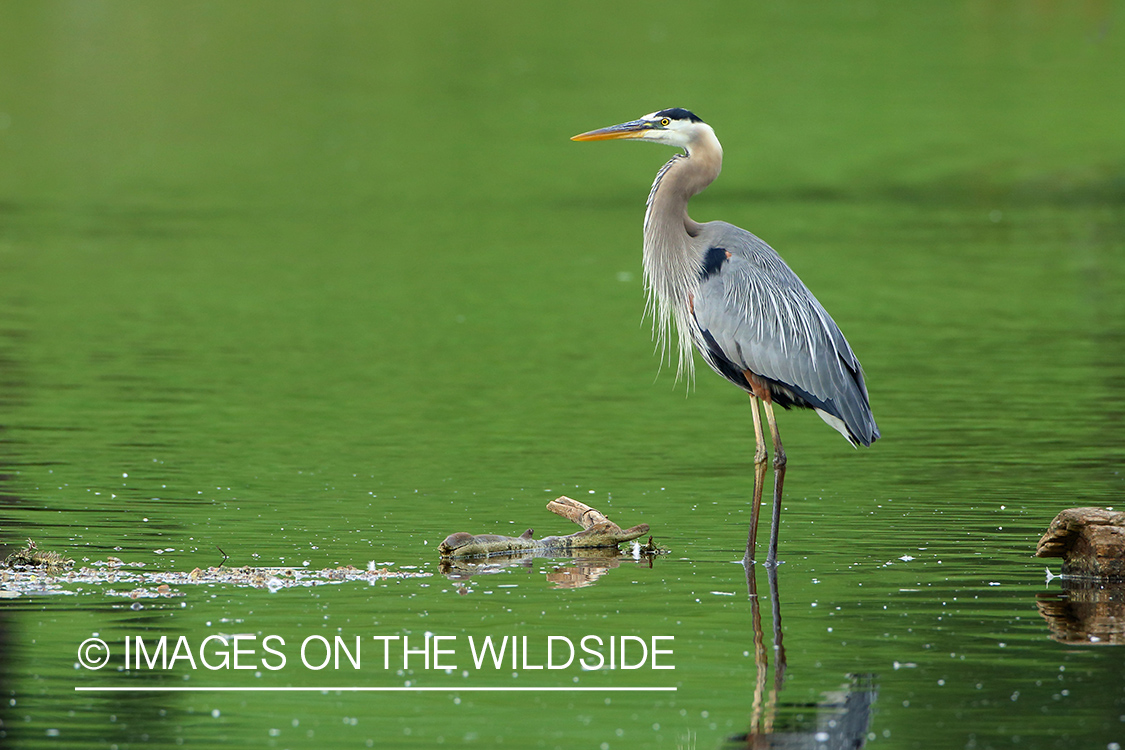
[{"x": 311, "y": 285}]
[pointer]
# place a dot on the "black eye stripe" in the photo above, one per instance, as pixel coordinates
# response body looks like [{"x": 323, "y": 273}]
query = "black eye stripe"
[{"x": 678, "y": 113}]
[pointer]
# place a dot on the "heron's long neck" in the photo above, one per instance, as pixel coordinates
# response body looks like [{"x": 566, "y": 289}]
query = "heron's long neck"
[{"x": 672, "y": 260}]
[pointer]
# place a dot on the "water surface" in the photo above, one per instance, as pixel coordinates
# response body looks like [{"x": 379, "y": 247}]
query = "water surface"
[{"x": 321, "y": 285}]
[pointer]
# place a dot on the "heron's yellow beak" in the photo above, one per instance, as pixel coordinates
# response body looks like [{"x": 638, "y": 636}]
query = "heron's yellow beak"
[{"x": 634, "y": 129}]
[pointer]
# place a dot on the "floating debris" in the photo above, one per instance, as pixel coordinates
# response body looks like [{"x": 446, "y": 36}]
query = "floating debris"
[
  {"x": 649, "y": 549},
  {"x": 33, "y": 557},
  {"x": 33, "y": 571}
]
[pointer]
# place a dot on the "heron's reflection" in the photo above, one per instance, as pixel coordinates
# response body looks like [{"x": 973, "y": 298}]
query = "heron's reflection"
[
  {"x": 840, "y": 720},
  {"x": 765, "y": 703}
]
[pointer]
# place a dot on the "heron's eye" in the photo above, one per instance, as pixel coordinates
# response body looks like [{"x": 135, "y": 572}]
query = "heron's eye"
[{"x": 665, "y": 122}]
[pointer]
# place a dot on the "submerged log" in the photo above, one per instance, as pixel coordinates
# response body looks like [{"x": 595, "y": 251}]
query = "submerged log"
[
  {"x": 1091, "y": 542},
  {"x": 582, "y": 568},
  {"x": 597, "y": 532}
]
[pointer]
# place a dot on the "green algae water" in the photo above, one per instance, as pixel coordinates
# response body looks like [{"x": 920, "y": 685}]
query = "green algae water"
[{"x": 314, "y": 285}]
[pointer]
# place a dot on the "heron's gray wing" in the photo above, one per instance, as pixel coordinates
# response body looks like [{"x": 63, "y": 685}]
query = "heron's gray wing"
[{"x": 755, "y": 314}]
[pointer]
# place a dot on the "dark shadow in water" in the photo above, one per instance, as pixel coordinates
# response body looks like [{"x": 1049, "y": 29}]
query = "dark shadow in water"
[
  {"x": 1098, "y": 185},
  {"x": 12, "y": 388},
  {"x": 840, "y": 720},
  {"x": 1085, "y": 612},
  {"x": 27, "y": 683},
  {"x": 578, "y": 572}
]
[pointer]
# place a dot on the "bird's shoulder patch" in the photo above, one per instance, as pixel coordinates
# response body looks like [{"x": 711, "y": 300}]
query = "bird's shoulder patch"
[{"x": 713, "y": 261}]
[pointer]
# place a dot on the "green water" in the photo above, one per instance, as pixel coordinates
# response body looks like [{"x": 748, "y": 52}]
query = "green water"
[{"x": 323, "y": 283}]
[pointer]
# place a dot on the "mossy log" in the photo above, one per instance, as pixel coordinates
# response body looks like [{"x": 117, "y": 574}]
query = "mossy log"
[
  {"x": 1091, "y": 542},
  {"x": 597, "y": 532}
]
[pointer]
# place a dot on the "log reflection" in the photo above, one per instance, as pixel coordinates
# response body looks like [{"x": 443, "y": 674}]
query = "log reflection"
[{"x": 1085, "y": 612}]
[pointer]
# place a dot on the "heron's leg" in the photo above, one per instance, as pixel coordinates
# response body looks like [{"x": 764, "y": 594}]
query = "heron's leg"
[
  {"x": 778, "y": 481},
  {"x": 759, "y": 479}
]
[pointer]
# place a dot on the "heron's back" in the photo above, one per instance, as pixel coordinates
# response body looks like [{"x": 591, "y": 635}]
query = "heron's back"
[{"x": 753, "y": 313}]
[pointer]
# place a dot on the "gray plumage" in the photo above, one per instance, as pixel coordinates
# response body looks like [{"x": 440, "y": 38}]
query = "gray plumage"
[
  {"x": 728, "y": 294},
  {"x": 757, "y": 315}
]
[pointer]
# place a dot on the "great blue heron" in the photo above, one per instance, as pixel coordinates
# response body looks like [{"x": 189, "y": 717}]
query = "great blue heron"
[{"x": 733, "y": 297}]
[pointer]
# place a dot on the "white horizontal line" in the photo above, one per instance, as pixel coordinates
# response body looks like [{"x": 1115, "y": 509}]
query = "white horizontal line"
[{"x": 182, "y": 689}]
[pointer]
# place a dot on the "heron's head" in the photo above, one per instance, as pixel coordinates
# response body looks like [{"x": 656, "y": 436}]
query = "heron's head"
[{"x": 673, "y": 127}]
